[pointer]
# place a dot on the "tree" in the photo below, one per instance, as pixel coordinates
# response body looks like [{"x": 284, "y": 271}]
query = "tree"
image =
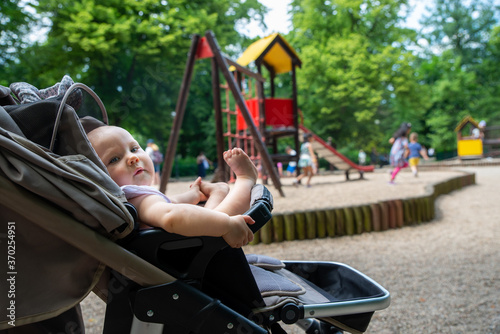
[
  {"x": 133, "y": 53},
  {"x": 453, "y": 96},
  {"x": 461, "y": 77},
  {"x": 462, "y": 27},
  {"x": 488, "y": 77},
  {"x": 15, "y": 22},
  {"x": 357, "y": 80}
]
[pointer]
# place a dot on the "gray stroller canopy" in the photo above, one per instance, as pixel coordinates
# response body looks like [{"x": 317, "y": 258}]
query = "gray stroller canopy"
[{"x": 69, "y": 180}]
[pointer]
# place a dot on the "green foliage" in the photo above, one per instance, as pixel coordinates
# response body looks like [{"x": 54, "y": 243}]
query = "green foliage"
[
  {"x": 463, "y": 79},
  {"x": 461, "y": 27},
  {"x": 15, "y": 22},
  {"x": 360, "y": 76},
  {"x": 133, "y": 54},
  {"x": 184, "y": 167},
  {"x": 356, "y": 71},
  {"x": 452, "y": 98}
]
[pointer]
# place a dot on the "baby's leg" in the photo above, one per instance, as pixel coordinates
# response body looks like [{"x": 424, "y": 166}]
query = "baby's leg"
[
  {"x": 238, "y": 199},
  {"x": 215, "y": 193}
]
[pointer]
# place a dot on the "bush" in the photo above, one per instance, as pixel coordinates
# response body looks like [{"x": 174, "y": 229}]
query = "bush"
[{"x": 184, "y": 167}]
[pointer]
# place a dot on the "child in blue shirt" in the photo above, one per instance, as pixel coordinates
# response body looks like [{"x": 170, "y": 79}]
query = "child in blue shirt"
[{"x": 416, "y": 151}]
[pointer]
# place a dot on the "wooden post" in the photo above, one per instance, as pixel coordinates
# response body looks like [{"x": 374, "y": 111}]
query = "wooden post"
[
  {"x": 180, "y": 108},
  {"x": 262, "y": 116},
  {"x": 295, "y": 117},
  {"x": 222, "y": 173}
]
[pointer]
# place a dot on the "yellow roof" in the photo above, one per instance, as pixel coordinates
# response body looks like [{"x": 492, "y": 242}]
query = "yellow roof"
[
  {"x": 274, "y": 51},
  {"x": 464, "y": 121}
]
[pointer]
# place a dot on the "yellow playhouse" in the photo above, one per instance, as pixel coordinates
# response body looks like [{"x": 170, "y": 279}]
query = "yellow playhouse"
[{"x": 469, "y": 146}]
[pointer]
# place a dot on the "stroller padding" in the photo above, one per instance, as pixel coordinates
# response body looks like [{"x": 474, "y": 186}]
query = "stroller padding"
[
  {"x": 265, "y": 262},
  {"x": 8, "y": 123},
  {"x": 271, "y": 284}
]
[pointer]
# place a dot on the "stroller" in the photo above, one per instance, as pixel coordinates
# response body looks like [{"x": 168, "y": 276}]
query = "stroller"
[{"x": 67, "y": 230}]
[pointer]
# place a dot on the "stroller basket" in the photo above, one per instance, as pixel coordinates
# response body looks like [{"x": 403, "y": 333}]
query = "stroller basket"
[{"x": 352, "y": 296}]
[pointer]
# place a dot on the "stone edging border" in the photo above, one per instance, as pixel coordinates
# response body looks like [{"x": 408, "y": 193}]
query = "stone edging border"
[{"x": 372, "y": 217}]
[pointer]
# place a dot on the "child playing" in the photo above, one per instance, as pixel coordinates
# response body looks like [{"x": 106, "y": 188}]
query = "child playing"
[
  {"x": 399, "y": 150},
  {"x": 307, "y": 160},
  {"x": 132, "y": 169},
  {"x": 292, "y": 165},
  {"x": 416, "y": 150}
]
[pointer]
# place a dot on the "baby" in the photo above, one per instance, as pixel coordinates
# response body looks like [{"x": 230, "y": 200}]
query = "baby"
[{"x": 132, "y": 169}]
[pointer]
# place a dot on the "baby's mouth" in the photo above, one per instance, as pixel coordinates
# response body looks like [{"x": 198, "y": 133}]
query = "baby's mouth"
[{"x": 138, "y": 171}]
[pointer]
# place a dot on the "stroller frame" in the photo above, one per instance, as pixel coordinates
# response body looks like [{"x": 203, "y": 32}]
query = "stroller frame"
[{"x": 146, "y": 294}]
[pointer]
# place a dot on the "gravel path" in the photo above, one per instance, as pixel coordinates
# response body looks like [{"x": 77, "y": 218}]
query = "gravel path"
[{"x": 443, "y": 276}]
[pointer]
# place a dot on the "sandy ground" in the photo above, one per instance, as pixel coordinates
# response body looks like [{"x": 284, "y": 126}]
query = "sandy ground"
[
  {"x": 443, "y": 276},
  {"x": 332, "y": 190}
]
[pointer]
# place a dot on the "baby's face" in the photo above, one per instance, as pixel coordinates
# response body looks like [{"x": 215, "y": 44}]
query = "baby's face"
[{"x": 126, "y": 161}]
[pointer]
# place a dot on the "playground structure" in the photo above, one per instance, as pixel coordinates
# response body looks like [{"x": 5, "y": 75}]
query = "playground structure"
[
  {"x": 258, "y": 121},
  {"x": 468, "y": 146},
  {"x": 251, "y": 141},
  {"x": 485, "y": 144},
  {"x": 279, "y": 117},
  {"x": 330, "y": 154}
]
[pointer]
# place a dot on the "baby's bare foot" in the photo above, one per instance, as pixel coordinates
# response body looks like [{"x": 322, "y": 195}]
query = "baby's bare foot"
[
  {"x": 219, "y": 188},
  {"x": 196, "y": 183},
  {"x": 241, "y": 164}
]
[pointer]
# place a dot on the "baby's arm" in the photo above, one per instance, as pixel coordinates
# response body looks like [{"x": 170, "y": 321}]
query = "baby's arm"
[{"x": 192, "y": 220}]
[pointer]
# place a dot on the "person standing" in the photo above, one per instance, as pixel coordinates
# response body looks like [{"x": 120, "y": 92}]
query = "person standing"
[
  {"x": 203, "y": 164},
  {"x": 307, "y": 160},
  {"x": 292, "y": 165},
  {"x": 154, "y": 153},
  {"x": 361, "y": 157}
]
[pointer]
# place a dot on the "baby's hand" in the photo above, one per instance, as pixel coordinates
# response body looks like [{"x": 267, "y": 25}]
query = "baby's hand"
[{"x": 239, "y": 234}]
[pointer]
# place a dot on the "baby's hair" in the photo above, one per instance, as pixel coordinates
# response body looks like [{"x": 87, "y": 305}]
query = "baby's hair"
[{"x": 414, "y": 136}]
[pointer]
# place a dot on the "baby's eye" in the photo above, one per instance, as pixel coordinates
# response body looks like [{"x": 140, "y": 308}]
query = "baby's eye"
[
  {"x": 135, "y": 149},
  {"x": 114, "y": 160}
]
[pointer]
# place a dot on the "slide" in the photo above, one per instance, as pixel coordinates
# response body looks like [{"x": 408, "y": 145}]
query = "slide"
[{"x": 331, "y": 155}]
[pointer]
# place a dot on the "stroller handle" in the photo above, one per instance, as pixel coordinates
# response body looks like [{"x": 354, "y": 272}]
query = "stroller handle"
[
  {"x": 260, "y": 214},
  {"x": 261, "y": 205}
]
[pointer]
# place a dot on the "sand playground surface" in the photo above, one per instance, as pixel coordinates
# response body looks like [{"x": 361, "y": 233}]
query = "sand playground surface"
[{"x": 332, "y": 190}]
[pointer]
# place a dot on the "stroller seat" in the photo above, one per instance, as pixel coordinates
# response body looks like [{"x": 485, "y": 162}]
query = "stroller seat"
[{"x": 78, "y": 235}]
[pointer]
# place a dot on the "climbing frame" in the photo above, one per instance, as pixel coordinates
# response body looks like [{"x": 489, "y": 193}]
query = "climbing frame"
[{"x": 252, "y": 139}]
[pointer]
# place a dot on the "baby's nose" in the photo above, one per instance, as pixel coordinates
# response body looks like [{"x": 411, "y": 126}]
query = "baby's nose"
[{"x": 133, "y": 159}]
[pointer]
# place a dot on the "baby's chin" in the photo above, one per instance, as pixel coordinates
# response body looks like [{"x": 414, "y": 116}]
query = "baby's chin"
[
  {"x": 147, "y": 184},
  {"x": 143, "y": 182}
]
